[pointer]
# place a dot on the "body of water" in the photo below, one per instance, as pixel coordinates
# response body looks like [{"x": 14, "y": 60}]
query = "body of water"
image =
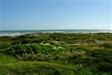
[{"x": 22, "y": 32}]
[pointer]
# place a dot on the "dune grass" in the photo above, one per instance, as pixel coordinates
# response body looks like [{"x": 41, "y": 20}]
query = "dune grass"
[{"x": 56, "y": 54}]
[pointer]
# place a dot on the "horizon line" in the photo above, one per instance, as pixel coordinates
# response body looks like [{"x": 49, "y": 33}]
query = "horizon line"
[{"x": 52, "y": 29}]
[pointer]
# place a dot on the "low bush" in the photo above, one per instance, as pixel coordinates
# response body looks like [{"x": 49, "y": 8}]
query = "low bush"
[{"x": 40, "y": 68}]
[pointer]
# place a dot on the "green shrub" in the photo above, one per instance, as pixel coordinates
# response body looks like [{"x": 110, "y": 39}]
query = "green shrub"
[
  {"x": 105, "y": 67},
  {"x": 40, "y": 67}
]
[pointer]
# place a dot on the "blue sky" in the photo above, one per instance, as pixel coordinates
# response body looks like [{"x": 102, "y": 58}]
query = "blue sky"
[{"x": 55, "y": 14}]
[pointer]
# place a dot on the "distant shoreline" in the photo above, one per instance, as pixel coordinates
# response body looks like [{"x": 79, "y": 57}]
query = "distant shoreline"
[
  {"x": 57, "y": 30},
  {"x": 23, "y": 32}
]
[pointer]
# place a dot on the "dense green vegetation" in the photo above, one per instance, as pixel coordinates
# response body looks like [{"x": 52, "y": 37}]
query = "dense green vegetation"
[{"x": 56, "y": 54}]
